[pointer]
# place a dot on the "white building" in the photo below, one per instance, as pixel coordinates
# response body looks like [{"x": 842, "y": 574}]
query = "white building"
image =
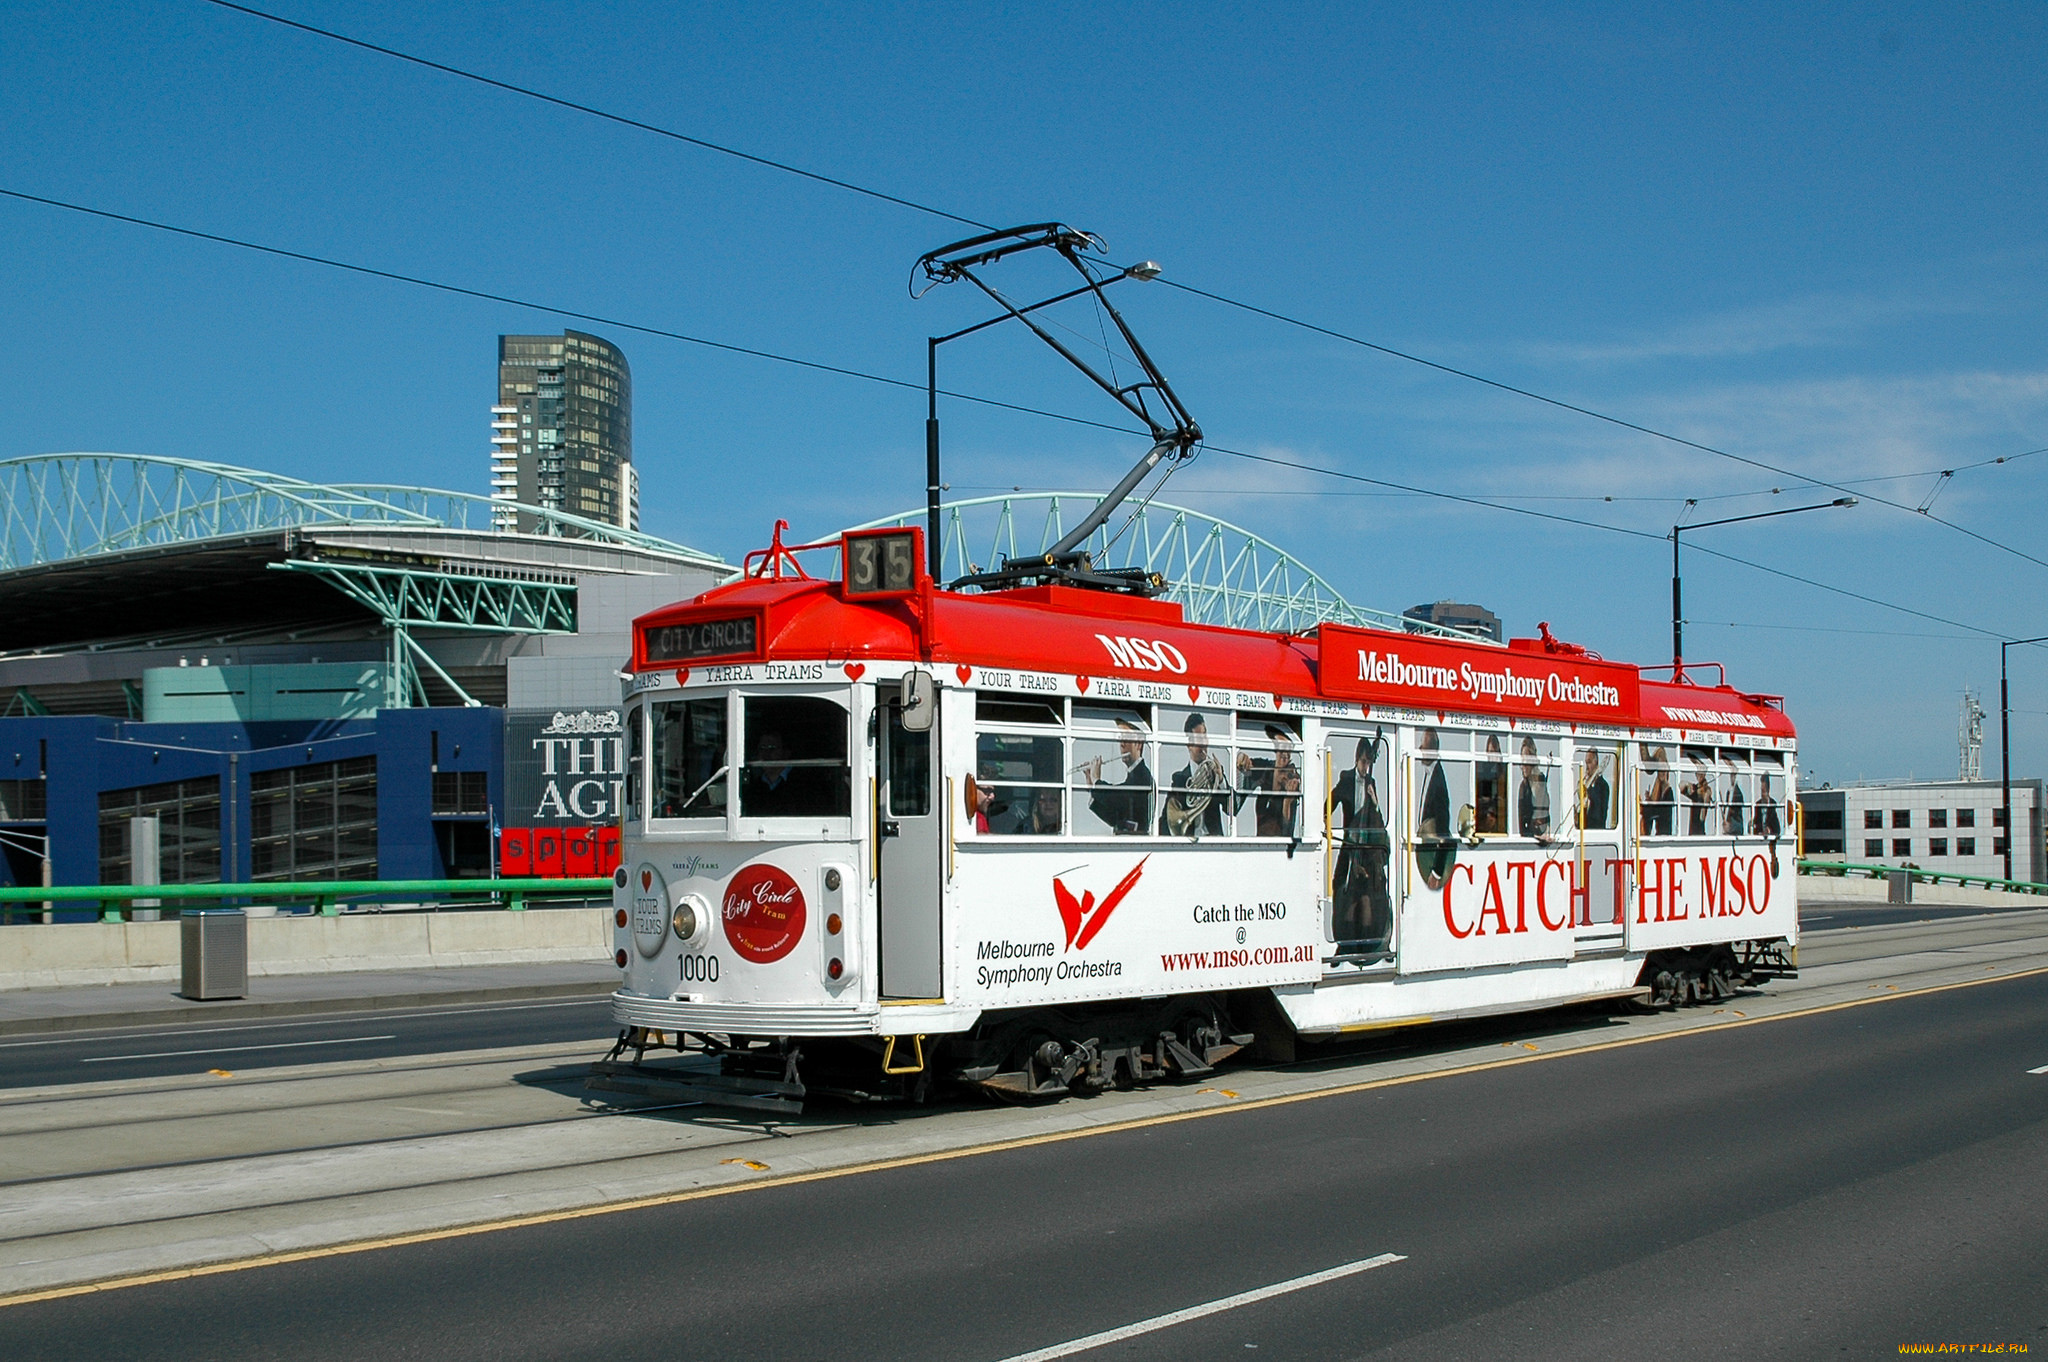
[{"x": 1951, "y": 826}]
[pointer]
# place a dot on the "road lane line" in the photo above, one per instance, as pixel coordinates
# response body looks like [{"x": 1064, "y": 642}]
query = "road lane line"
[
  {"x": 2042, "y": 1070},
  {"x": 313, "y": 1019},
  {"x": 1158, "y": 1322},
  {"x": 948, "y": 1155},
  {"x": 235, "y": 1049}
]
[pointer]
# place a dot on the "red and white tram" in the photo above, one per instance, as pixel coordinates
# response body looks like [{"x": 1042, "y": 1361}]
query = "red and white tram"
[{"x": 882, "y": 834}]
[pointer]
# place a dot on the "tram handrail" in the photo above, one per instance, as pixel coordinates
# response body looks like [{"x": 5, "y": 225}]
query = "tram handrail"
[
  {"x": 1864, "y": 870},
  {"x": 326, "y": 895}
]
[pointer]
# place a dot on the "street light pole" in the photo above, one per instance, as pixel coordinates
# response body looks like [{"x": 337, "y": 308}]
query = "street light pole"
[
  {"x": 1677, "y": 616},
  {"x": 2005, "y": 752}
]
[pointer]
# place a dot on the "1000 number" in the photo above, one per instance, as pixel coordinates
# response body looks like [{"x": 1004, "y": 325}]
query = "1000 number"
[{"x": 702, "y": 968}]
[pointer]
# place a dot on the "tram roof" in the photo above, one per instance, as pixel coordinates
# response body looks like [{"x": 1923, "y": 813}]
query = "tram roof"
[{"x": 1080, "y": 633}]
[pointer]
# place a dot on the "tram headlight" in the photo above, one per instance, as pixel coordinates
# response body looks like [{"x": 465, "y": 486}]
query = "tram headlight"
[{"x": 691, "y": 920}]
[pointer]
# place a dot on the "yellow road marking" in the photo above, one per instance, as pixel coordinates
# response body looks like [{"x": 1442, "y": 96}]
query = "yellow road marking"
[{"x": 946, "y": 1155}]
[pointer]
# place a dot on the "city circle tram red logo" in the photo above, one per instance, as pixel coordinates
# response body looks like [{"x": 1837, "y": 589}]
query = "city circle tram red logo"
[
  {"x": 1084, "y": 917},
  {"x": 763, "y": 914}
]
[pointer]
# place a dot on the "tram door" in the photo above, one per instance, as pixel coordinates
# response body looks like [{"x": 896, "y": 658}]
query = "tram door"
[
  {"x": 1358, "y": 811},
  {"x": 910, "y": 851},
  {"x": 1602, "y": 808}
]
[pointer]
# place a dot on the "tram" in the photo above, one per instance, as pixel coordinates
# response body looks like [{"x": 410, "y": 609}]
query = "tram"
[{"x": 1036, "y": 832}]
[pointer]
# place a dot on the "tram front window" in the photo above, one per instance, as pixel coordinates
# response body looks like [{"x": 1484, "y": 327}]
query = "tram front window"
[
  {"x": 690, "y": 760},
  {"x": 795, "y": 759}
]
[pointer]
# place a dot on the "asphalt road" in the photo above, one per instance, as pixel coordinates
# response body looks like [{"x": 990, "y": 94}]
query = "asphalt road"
[
  {"x": 1832, "y": 1185},
  {"x": 195, "y": 1047},
  {"x": 1818, "y": 917}
]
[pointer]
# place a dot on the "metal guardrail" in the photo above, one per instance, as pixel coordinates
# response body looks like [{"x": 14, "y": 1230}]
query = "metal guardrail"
[
  {"x": 1860, "y": 870},
  {"x": 327, "y": 896}
]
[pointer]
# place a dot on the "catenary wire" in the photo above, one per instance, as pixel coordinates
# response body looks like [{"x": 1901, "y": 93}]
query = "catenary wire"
[
  {"x": 1922, "y": 510},
  {"x": 819, "y": 366}
]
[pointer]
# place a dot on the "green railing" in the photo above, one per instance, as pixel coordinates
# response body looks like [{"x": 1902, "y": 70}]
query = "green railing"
[
  {"x": 326, "y": 896},
  {"x": 1858, "y": 870}
]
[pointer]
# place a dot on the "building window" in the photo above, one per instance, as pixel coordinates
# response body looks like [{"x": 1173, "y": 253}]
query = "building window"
[
  {"x": 1902, "y": 818},
  {"x": 188, "y": 830},
  {"x": 1998, "y": 846},
  {"x": 1937, "y": 846},
  {"x": 1902, "y": 846},
  {"x": 459, "y": 792},
  {"x": 316, "y": 822},
  {"x": 1966, "y": 846},
  {"x": 1824, "y": 820},
  {"x": 1873, "y": 818},
  {"x": 1937, "y": 818},
  {"x": 1998, "y": 817},
  {"x": 1966, "y": 818},
  {"x": 1873, "y": 846},
  {"x": 23, "y": 801}
]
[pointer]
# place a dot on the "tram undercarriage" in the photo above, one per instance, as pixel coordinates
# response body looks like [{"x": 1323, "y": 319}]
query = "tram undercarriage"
[{"x": 1044, "y": 1054}]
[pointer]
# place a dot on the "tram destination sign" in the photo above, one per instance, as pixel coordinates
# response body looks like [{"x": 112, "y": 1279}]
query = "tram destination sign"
[
  {"x": 1360, "y": 664},
  {"x": 737, "y": 636}
]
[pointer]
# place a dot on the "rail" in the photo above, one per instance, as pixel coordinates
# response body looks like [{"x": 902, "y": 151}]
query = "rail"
[
  {"x": 327, "y": 896},
  {"x": 1860, "y": 870}
]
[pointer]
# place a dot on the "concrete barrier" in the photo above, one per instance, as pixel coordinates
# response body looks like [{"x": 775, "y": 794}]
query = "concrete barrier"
[
  {"x": 1856, "y": 889},
  {"x": 65, "y": 954}
]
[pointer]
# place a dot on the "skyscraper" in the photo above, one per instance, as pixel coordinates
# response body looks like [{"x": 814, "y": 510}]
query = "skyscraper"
[{"x": 562, "y": 430}]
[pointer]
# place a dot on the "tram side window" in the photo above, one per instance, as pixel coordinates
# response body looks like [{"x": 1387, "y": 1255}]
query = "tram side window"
[
  {"x": 1111, "y": 782},
  {"x": 1597, "y": 780},
  {"x": 1490, "y": 786},
  {"x": 1269, "y": 776},
  {"x": 636, "y": 763},
  {"x": 1443, "y": 800},
  {"x": 1768, "y": 814},
  {"x": 1536, "y": 788},
  {"x": 690, "y": 758},
  {"x": 1201, "y": 767},
  {"x": 795, "y": 767},
  {"x": 1738, "y": 792},
  {"x": 1696, "y": 793},
  {"x": 1660, "y": 792},
  {"x": 1018, "y": 784}
]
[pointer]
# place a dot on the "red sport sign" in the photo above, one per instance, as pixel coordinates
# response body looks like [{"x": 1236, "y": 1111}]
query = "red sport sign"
[
  {"x": 1429, "y": 673},
  {"x": 763, "y": 914}
]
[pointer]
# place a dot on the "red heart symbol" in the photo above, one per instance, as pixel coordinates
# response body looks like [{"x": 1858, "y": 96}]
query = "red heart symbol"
[
  {"x": 1365, "y": 711},
  {"x": 682, "y": 676},
  {"x": 1195, "y": 693},
  {"x": 1081, "y": 684},
  {"x": 647, "y": 879},
  {"x": 1575, "y": 728},
  {"x": 854, "y": 670},
  {"x": 1279, "y": 701},
  {"x": 964, "y": 672},
  {"x": 1511, "y": 721},
  {"x": 1439, "y": 716}
]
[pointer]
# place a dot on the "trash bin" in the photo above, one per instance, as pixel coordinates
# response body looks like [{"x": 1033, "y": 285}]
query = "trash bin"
[
  {"x": 1900, "y": 888},
  {"x": 216, "y": 953}
]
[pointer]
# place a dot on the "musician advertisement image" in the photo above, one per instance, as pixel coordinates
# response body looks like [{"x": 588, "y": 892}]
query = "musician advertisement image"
[{"x": 1363, "y": 910}]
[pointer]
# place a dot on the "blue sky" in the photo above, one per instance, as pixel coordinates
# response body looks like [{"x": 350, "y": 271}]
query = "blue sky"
[{"x": 1814, "y": 239}]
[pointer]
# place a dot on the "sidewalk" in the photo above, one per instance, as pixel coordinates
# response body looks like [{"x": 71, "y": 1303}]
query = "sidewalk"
[{"x": 64, "y": 1009}]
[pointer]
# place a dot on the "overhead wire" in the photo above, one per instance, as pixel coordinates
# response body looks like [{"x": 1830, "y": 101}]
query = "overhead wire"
[
  {"x": 1924, "y": 510},
  {"x": 847, "y": 372}
]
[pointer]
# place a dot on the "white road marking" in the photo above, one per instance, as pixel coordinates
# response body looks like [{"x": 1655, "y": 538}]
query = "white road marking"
[
  {"x": 312, "y": 1019},
  {"x": 1157, "y": 1322},
  {"x": 2042, "y": 1070},
  {"x": 235, "y": 1049}
]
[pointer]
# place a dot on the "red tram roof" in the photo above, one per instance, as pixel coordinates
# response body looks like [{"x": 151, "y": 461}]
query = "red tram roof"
[{"x": 1066, "y": 631}]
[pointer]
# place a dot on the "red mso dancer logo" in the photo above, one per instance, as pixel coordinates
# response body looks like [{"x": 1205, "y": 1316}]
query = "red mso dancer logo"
[
  {"x": 763, "y": 914},
  {"x": 1084, "y": 917}
]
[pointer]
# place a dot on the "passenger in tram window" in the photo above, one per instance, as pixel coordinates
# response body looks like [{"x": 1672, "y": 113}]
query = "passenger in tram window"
[
  {"x": 1125, "y": 806},
  {"x": 1045, "y": 814},
  {"x": 1659, "y": 802},
  {"x": 1490, "y": 793},
  {"x": 1532, "y": 802},
  {"x": 1277, "y": 809},
  {"x": 981, "y": 798},
  {"x": 1436, "y": 842},
  {"x": 1201, "y": 789},
  {"x": 1595, "y": 793},
  {"x": 1364, "y": 910},
  {"x": 1699, "y": 796}
]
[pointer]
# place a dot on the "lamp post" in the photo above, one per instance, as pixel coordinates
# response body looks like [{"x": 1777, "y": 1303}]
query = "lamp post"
[
  {"x": 1677, "y": 616},
  {"x": 2005, "y": 753}
]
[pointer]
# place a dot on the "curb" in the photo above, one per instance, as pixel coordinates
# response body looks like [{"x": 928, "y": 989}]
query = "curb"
[{"x": 186, "y": 1010}]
